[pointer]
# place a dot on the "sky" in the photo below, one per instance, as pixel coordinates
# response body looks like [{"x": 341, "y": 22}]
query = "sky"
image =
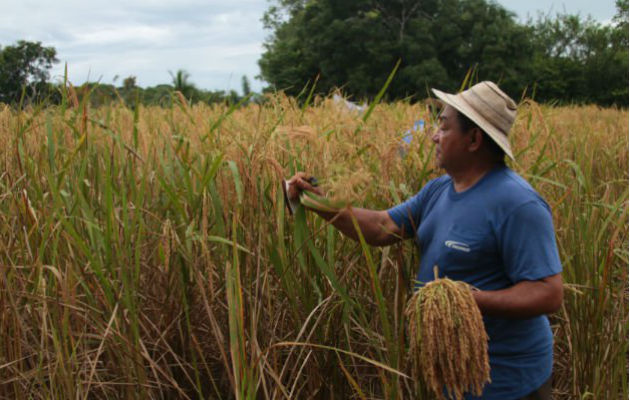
[{"x": 216, "y": 42}]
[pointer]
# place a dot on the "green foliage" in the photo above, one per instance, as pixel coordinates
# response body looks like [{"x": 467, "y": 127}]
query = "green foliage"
[
  {"x": 574, "y": 54},
  {"x": 182, "y": 84},
  {"x": 24, "y": 69},
  {"x": 350, "y": 43},
  {"x": 129, "y": 83},
  {"x": 160, "y": 95}
]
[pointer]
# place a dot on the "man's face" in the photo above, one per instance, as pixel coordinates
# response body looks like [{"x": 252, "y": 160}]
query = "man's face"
[{"x": 451, "y": 148}]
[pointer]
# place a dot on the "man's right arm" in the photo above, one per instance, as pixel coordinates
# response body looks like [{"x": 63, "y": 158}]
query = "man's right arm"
[{"x": 377, "y": 227}]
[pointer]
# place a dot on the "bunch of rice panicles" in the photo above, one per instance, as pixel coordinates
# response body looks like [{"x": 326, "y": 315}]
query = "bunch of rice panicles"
[
  {"x": 347, "y": 185},
  {"x": 448, "y": 341}
]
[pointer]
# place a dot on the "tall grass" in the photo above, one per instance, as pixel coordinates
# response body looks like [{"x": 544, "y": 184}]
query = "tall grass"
[{"x": 147, "y": 253}]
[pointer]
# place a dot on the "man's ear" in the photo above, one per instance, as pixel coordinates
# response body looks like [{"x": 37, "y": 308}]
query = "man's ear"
[{"x": 476, "y": 139}]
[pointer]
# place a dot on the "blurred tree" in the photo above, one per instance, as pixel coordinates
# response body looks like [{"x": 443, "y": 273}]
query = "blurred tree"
[
  {"x": 129, "y": 83},
  {"x": 157, "y": 95},
  {"x": 245, "y": 85},
  {"x": 621, "y": 22},
  {"x": 181, "y": 82},
  {"x": 25, "y": 65}
]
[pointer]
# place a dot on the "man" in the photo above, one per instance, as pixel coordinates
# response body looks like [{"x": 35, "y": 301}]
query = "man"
[{"x": 483, "y": 224}]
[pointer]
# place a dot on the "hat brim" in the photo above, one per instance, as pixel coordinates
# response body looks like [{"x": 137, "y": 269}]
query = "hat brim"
[{"x": 462, "y": 106}]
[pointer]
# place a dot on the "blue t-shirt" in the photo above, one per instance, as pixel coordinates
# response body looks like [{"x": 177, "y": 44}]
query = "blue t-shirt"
[{"x": 492, "y": 235}]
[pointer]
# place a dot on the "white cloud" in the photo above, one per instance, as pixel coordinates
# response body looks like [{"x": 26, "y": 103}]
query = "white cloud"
[{"x": 122, "y": 34}]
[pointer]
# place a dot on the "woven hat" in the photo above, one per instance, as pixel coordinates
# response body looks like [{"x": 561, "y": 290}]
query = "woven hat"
[{"x": 488, "y": 107}]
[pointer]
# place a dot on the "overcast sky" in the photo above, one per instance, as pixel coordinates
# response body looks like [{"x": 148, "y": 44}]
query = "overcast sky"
[{"x": 217, "y": 42}]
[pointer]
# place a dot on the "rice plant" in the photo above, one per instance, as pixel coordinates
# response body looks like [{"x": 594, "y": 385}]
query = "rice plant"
[{"x": 147, "y": 252}]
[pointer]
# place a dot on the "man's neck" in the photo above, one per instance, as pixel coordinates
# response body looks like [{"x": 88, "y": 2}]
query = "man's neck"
[{"x": 467, "y": 177}]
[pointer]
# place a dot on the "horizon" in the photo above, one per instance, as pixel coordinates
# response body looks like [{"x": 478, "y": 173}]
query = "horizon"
[{"x": 216, "y": 43}]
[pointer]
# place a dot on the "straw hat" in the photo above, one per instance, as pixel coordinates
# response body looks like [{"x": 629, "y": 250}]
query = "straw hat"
[{"x": 488, "y": 107}]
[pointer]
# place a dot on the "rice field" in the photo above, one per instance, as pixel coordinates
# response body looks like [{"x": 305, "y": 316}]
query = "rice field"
[{"x": 147, "y": 252}]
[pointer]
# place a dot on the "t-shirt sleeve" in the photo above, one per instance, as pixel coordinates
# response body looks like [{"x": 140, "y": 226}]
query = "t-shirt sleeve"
[
  {"x": 528, "y": 243},
  {"x": 407, "y": 215}
]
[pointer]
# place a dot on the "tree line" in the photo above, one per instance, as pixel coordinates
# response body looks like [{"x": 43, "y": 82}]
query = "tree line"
[
  {"x": 354, "y": 44},
  {"x": 25, "y": 79}
]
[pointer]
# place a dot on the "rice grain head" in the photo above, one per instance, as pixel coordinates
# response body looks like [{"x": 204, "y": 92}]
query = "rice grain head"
[{"x": 448, "y": 341}]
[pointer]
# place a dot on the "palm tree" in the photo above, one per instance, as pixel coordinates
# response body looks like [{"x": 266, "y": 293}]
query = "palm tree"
[{"x": 181, "y": 83}]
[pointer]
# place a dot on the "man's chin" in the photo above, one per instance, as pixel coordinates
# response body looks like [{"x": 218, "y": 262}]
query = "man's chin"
[{"x": 438, "y": 162}]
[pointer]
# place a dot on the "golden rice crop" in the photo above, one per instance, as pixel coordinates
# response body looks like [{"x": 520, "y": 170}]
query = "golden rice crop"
[
  {"x": 147, "y": 252},
  {"x": 448, "y": 341}
]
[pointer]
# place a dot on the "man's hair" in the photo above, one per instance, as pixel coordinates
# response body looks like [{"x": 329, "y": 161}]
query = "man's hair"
[{"x": 467, "y": 124}]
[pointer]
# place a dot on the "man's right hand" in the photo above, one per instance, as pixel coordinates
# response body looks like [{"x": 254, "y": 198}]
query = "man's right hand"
[
  {"x": 300, "y": 182},
  {"x": 377, "y": 227}
]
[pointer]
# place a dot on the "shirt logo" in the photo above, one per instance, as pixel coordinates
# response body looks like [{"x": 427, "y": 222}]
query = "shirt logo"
[{"x": 457, "y": 246}]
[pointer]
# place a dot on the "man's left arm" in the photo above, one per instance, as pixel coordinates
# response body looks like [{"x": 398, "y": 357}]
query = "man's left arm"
[{"x": 526, "y": 299}]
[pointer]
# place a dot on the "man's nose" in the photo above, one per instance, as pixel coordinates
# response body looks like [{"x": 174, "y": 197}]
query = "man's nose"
[{"x": 435, "y": 136}]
